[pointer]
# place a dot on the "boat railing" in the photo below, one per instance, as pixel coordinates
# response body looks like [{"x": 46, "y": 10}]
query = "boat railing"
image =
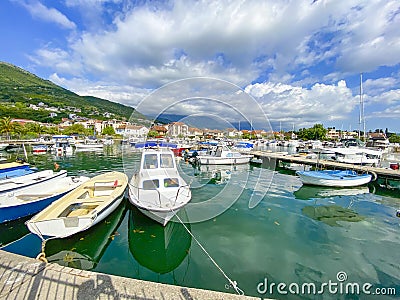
[{"x": 139, "y": 189}]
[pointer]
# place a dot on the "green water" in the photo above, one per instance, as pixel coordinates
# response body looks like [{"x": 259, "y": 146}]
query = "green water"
[{"x": 260, "y": 223}]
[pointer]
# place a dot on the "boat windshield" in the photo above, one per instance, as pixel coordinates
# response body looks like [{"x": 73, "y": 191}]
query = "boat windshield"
[
  {"x": 151, "y": 184},
  {"x": 171, "y": 182},
  {"x": 150, "y": 161},
  {"x": 166, "y": 161}
]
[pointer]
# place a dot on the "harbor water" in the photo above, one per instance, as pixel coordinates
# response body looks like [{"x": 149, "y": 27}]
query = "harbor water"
[{"x": 258, "y": 224}]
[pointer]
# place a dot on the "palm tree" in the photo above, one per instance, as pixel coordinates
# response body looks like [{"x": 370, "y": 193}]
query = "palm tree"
[{"x": 6, "y": 126}]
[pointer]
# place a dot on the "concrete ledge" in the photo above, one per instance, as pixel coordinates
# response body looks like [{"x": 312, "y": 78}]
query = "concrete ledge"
[{"x": 27, "y": 278}]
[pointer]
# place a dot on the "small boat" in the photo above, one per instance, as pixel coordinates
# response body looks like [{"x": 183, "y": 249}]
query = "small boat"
[
  {"x": 89, "y": 144},
  {"x": 16, "y": 173},
  {"x": 41, "y": 178},
  {"x": 11, "y": 166},
  {"x": 337, "y": 178},
  {"x": 243, "y": 146},
  {"x": 157, "y": 189},
  {"x": 357, "y": 156},
  {"x": 39, "y": 149},
  {"x": 62, "y": 145},
  {"x": 81, "y": 208},
  {"x": 224, "y": 156},
  {"x": 28, "y": 201}
]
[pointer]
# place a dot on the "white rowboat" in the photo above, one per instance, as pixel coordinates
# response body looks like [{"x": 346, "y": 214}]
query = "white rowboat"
[{"x": 82, "y": 208}]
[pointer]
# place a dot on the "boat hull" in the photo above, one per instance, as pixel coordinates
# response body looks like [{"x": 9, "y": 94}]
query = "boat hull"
[
  {"x": 160, "y": 215},
  {"x": 27, "y": 202},
  {"x": 64, "y": 227},
  {"x": 320, "y": 179},
  {"x": 42, "y": 178}
]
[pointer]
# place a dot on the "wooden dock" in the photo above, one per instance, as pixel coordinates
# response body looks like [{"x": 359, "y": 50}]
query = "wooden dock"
[{"x": 324, "y": 164}]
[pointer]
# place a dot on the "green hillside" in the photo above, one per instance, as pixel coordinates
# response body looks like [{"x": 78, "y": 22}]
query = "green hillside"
[{"x": 19, "y": 89}]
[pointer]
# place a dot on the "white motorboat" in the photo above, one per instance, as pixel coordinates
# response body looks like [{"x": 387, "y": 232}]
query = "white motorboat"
[
  {"x": 334, "y": 178},
  {"x": 222, "y": 155},
  {"x": 157, "y": 189},
  {"x": 81, "y": 208},
  {"x": 90, "y": 143},
  {"x": 357, "y": 156},
  {"x": 28, "y": 201}
]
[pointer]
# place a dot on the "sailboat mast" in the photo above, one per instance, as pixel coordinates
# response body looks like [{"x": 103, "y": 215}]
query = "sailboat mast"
[{"x": 362, "y": 116}]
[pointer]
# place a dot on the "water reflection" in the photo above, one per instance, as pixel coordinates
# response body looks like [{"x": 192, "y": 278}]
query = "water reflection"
[
  {"x": 13, "y": 231},
  {"x": 84, "y": 250},
  {"x": 311, "y": 192},
  {"x": 158, "y": 248}
]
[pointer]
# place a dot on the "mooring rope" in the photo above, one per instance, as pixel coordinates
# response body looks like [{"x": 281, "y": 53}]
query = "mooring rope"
[
  {"x": 42, "y": 255},
  {"x": 232, "y": 283}
]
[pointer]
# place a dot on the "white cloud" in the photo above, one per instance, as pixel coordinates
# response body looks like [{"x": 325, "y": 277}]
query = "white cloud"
[
  {"x": 40, "y": 11},
  {"x": 127, "y": 95},
  {"x": 152, "y": 43},
  {"x": 291, "y": 46},
  {"x": 292, "y": 104}
]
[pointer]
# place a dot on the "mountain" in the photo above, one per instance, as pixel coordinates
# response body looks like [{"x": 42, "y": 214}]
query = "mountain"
[
  {"x": 195, "y": 121},
  {"x": 25, "y": 95}
]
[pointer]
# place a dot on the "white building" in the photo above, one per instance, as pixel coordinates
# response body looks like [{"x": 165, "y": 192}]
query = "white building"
[
  {"x": 130, "y": 130},
  {"x": 176, "y": 129}
]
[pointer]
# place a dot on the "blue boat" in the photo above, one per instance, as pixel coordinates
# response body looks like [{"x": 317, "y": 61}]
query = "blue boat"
[
  {"x": 28, "y": 201},
  {"x": 14, "y": 169},
  {"x": 15, "y": 173},
  {"x": 12, "y": 166},
  {"x": 336, "y": 178},
  {"x": 245, "y": 146}
]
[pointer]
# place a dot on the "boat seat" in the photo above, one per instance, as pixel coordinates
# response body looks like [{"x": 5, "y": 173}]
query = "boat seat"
[
  {"x": 76, "y": 210},
  {"x": 104, "y": 188},
  {"x": 32, "y": 197}
]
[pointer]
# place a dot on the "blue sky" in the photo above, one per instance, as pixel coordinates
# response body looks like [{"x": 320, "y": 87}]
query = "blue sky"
[{"x": 300, "y": 61}]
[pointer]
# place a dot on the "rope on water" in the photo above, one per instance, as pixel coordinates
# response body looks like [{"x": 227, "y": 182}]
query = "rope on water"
[{"x": 232, "y": 283}]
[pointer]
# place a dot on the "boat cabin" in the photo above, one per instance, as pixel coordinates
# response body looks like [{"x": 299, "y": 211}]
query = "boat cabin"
[
  {"x": 158, "y": 169},
  {"x": 158, "y": 159}
]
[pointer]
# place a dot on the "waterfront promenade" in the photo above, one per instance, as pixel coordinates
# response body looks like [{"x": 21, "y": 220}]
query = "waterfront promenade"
[{"x": 27, "y": 278}]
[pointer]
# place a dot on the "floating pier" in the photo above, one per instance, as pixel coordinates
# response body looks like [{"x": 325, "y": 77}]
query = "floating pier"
[{"x": 274, "y": 157}]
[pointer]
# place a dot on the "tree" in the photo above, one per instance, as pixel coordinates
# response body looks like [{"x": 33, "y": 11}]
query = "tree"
[
  {"x": 152, "y": 133},
  {"x": 109, "y": 130},
  {"x": 317, "y": 132},
  {"x": 35, "y": 128},
  {"x": 394, "y": 138},
  {"x": 6, "y": 126},
  {"x": 75, "y": 129}
]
